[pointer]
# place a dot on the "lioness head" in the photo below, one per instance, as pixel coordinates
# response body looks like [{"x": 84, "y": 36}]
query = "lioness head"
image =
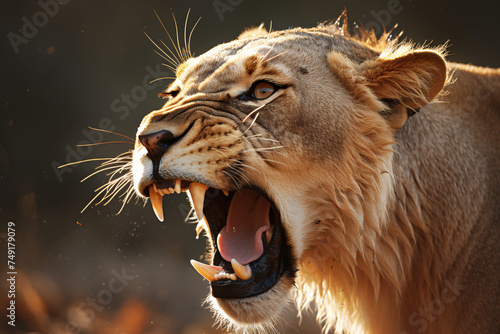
[{"x": 284, "y": 141}]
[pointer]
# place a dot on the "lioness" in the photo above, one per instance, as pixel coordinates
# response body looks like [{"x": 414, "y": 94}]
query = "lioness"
[{"x": 321, "y": 170}]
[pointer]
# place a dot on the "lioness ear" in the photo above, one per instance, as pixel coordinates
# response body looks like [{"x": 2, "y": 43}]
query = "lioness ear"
[
  {"x": 254, "y": 32},
  {"x": 406, "y": 83}
]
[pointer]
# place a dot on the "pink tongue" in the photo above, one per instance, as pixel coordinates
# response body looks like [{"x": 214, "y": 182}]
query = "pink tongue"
[{"x": 248, "y": 218}]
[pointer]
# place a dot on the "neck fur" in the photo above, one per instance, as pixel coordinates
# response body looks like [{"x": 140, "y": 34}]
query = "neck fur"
[{"x": 361, "y": 239}]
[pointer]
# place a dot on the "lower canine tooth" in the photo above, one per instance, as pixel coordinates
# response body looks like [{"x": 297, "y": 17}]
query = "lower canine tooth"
[
  {"x": 243, "y": 272},
  {"x": 207, "y": 271},
  {"x": 156, "y": 202}
]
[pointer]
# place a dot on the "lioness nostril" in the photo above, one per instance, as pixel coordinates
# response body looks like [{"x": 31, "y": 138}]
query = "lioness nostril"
[{"x": 157, "y": 143}]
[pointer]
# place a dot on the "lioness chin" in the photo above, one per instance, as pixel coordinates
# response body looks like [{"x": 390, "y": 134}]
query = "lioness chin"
[{"x": 321, "y": 170}]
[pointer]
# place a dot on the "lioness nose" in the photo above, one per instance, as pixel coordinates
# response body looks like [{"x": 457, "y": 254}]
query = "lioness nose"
[{"x": 157, "y": 143}]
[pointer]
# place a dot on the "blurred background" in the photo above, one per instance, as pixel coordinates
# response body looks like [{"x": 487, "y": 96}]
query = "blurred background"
[{"x": 71, "y": 65}]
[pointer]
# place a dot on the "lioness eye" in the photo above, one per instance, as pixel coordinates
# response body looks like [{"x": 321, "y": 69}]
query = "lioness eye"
[
  {"x": 170, "y": 94},
  {"x": 262, "y": 90}
]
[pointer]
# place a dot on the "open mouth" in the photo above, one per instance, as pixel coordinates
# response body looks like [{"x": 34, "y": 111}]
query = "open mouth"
[{"x": 250, "y": 247}]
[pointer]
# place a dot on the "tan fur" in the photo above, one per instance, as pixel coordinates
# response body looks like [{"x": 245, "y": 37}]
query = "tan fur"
[{"x": 394, "y": 218}]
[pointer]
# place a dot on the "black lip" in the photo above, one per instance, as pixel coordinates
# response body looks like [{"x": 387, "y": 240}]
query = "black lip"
[{"x": 275, "y": 262}]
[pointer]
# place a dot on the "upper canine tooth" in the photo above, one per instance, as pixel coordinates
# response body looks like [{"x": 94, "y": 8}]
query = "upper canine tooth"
[
  {"x": 205, "y": 270},
  {"x": 177, "y": 187},
  {"x": 243, "y": 272},
  {"x": 156, "y": 201},
  {"x": 197, "y": 192}
]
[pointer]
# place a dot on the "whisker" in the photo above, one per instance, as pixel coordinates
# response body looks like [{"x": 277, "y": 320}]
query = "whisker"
[
  {"x": 260, "y": 138},
  {"x": 190, "y": 34},
  {"x": 275, "y": 162},
  {"x": 261, "y": 149},
  {"x": 251, "y": 124},
  {"x": 97, "y": 172},
  {"x": 111, "y": 181},
  {"x": 170, "y": 37},
  {"x": 244, "y": 165},
  {"x": 276, "y": 56},
  {"x": 239, "y": 173},
  {"x": 179, "y": 49},
  {"x": 122, "y": 156},
  {"x": 172, "y": 66},
  {"x": 235, "y": 181},
  {"x": 114, "y": 186},
  {"x": 82, "y": 161},
  {"x": 185, "y": 31},
  {"x": 106, "y": 142},
  {"x": 92, "y": 200},
  {"x": 168, "y": 34},
  {"x": 126, "y": 200},
  {"x": 251, "y": 113},
  {"x": 178, "y": 62},
  {"x": 169, "y": 58},
  {"x": 115, "y": 133},
  {"x": 162, "y": 78},
  {"x": 117, "y": 190},
  {"x": 119, "y": 170},
  {"x": 269, "y": 51},
  {"x": 173, "y": 69}
]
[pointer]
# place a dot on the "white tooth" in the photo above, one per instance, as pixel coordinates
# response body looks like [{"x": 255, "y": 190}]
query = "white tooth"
[
  {"x": 170, "y": 190},
  {"x": 243, "y": 272},
  {"x": 197, "y": 192},
  {"x": 225, "y": 192},
  {"x": 233, "y": 277},
  {"x": 177, "y": 186},
  {"x": 156, "y": 202}
]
